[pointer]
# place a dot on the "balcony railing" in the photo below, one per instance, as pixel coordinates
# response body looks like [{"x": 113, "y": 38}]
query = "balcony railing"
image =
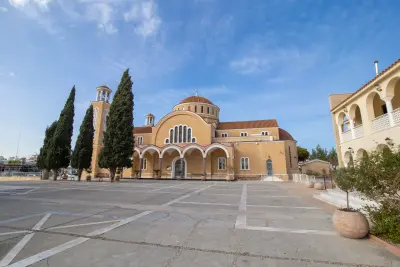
[
  {"x": 381, "y": 123},
  {"x": 359, "y": 131},
  {"x": 346, "y": 136},
  {"x": 396, "y": 116}
]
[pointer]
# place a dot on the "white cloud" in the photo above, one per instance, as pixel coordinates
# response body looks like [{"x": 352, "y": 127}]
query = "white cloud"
[
  {"x": 43, "y": 5},
  {"x": 249, "y": 65},
  {"x": 9, "y": 74},
  {"x": 144, "y": 15},
  {"x": 102, "y": 13},
  {"x": 3, "y": 9}
]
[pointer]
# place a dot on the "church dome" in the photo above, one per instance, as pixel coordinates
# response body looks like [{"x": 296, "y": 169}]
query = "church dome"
[{"x": 194, "y": 99}]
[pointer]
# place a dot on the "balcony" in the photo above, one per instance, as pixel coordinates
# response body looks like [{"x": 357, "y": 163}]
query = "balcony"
[
  {"x": 346, "y": 136},
  {"x": 359, "y": 131},
  {"x": 396, "y": 116},
  {"x": 381, "y": 123}
]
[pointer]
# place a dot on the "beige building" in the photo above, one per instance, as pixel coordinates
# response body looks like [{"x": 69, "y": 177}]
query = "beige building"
[
  {"x": 314, "y": 166},
  {"x": 369, "y": 118},
  {"x": 191, "y": 143}
]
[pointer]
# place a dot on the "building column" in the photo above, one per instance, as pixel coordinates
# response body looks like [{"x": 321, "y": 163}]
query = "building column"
[
  {"x": 353, "y": 134},
  {"x": 160, "y": 166},
  {"x": 228, "y": 167},
  {"x": 182, "y": 172},
  {"x": 204, "y": 169},
  {"x": 389, "y": 107},
  {"x": 340, "y": 133},
  {"x": 98, "y": 96},
  {"x": 140, "y": 167}
]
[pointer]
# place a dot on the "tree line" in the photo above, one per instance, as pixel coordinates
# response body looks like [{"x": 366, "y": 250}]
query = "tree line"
[
  {"x": 318, "y": 153},
  {"x": 118, "y": 141}
]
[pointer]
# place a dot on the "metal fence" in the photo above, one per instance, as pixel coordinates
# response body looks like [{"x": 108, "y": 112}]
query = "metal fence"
[
  {"x": 19, "y": 174},
  {"x": 303, "y": 178}
]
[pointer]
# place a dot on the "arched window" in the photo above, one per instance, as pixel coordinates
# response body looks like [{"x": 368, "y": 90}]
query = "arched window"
[
  {"x": 244, "y": 164},
  {"x": 212, "y": 111},
  {"x": 221, "y": 163},
  {"x": 194, "y": 140},
  {"x": 171, "y": 135},
  {"x": 180, "y": 134},
  {"x": 208, "y": 110},
  {"x": 244, "y": 134},
  {"x": 176, "y": 134},
  {"x": 195, "y": 109},
  {"x": 140, "y": 140},
  {"x": 144, "y": 164},
  {"x": 184, "y": 133},
  {"x": 224, "y": 135},
  {"x": 265, "y": 133},
  {"x": 202, "y": 109}
]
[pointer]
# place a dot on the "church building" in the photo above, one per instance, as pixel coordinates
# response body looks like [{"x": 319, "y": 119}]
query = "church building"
[{"x": 191, "y": 142}]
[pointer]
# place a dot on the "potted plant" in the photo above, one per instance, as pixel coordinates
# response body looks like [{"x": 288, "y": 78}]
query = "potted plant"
[
  {"x": 118, "y": 175},
  {"x": 137, "y": 173},
  {"x": 347, "y": 221},
  {"x": 88, "y": 175},
  {"x": 157, "y": 173}
]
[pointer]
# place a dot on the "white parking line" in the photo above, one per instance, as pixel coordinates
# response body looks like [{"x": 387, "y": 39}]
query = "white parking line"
[
  {"x": 14, "y": 233},
  {"x": 293, "y": 231},
  {"x": 21, "y": 244},
  {"x": 283, "y": 207},
  {"x": 82, "y": 224},
  {"x": 207, "y": 203},
  {"x": 159, "y": 189},
  {"x": 241, "y": 220},
  {"x": 48, "y": 253}
]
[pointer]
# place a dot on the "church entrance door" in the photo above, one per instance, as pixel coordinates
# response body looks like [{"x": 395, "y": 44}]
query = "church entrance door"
[{"x": 179, "y": 169}]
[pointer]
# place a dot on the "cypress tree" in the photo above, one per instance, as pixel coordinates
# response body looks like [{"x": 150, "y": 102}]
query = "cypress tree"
[
  {"x": 59, "y": 151},
  {"x": 82, "y": 155},
  {"x": 118, "y": 139},
  {"x": 41, "y": 159}
]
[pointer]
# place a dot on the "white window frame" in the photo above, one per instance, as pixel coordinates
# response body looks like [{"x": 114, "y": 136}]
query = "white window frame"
[
  {"x": 165, "y": 141},
  {"x": 242, "y": 166},
  {"x": 223, "y": 164},
  {"x": 224, "y": 135},
  {"x": 144, "y": 166},
  {"x": 195, "y": 140},
  {"x": 244, "y": 134},
  {"x": 265, "y": 133},
  {"x": 140, "y": 140}
]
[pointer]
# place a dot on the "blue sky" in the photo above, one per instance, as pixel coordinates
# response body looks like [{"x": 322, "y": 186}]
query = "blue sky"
[{"x": 255, "y": 59}]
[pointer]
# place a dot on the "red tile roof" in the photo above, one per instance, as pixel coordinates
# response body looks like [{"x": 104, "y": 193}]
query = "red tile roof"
[
  {"x": 247, "y": 124},
  {"x": 284, "y": 135},
  {"x": 199, "y": 99},
  {"x": 372, "y": 80},
  {"x": 142, "y": 130}
]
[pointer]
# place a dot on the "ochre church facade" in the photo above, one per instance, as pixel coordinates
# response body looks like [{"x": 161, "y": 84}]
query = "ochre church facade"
[{"x": 191, "y": 143}]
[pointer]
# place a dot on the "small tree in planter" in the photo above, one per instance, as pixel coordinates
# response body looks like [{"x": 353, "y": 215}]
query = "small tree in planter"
[
  {"x": 137, "y": 173},
  {"x": 88, "y": 175},
  {"x": 157, "y": 173},
  {"x": 118, "y": 174},
  {"x": 349, "y": 222},
  {"x": 378, "y": 179}
]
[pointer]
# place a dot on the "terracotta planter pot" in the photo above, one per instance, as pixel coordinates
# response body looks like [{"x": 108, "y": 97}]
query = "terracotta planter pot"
[
  {"x": 310, "y": 184},
  {"x": 319, "y": 186},
  {"x": 350, "y": 224}
]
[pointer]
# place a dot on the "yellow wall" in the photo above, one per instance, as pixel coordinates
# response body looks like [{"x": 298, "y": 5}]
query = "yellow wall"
[{"x": 200, "y": 129}]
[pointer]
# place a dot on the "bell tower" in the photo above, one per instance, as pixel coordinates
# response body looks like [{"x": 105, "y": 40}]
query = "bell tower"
[
  {"x": 150, "y": 120},
  {"x": 101, "y": 107}
]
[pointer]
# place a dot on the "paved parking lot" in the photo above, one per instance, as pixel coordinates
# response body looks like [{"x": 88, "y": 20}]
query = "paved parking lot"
[{"x": 172, "y": 223}]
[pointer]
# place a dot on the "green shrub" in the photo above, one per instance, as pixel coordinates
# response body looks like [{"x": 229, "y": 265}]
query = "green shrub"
[
  {"x": 386, "y": 221},
  {"x": 345, "y": 180}
]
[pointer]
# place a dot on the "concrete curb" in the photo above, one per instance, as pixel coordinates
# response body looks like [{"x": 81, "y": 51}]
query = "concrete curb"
[{"x": 393, "y": 249}]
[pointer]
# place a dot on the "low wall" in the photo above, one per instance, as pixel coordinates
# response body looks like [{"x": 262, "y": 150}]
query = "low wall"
[{"x": 18, "y": 178}]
